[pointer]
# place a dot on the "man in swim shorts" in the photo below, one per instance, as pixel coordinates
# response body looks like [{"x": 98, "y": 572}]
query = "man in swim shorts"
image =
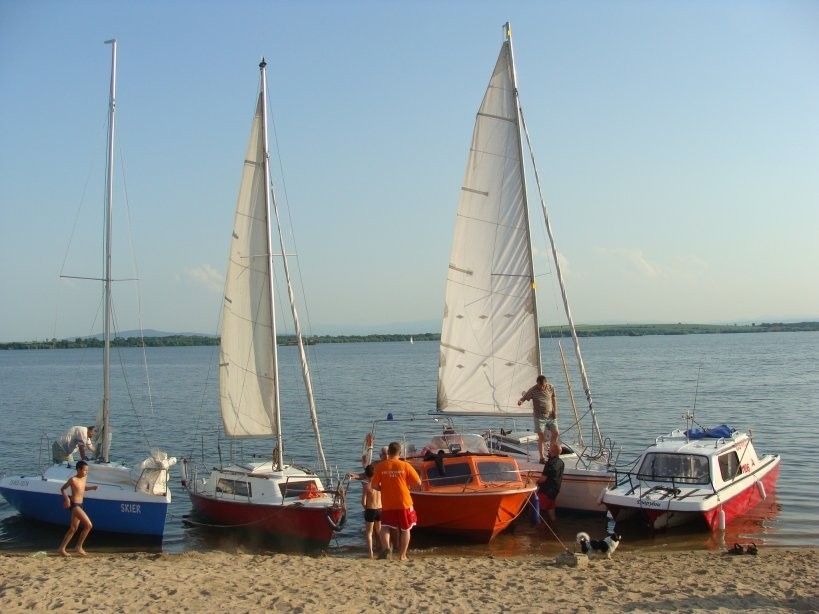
[{"x": 78, "y": 486}]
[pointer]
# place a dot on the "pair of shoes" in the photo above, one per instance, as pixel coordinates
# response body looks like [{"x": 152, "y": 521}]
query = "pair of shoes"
[
  {"x": 737, "y": 549},
  {"x": 752, "y": 549}
]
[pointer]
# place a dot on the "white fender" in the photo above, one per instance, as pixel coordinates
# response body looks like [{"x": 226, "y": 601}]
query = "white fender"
[
  {"x": 761, "y": 488},
  {"x": 721, "y": 520},
  {"x": 184, "y": 471}
]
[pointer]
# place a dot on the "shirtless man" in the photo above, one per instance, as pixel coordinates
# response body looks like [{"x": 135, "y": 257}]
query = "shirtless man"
[
  {"x": 371, "y": 502},
  {"x": 78, "y": 515}
]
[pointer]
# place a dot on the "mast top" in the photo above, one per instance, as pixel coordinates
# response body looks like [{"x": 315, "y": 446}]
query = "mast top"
[
  {"x": 507, "y": 31},
  {"x": 262, "y": 64},
  {"x": 111, "y": 41}
]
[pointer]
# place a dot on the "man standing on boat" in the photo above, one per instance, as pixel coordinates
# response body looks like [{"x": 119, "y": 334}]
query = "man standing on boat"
[
  {"x": 544, "y": 407},
  {"x": 393, "y": 477},
  {"x": 77, "y": 438}
]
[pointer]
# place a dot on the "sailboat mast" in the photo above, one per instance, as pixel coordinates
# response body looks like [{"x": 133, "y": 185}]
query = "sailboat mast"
[
  {"x": 507, "y": 27},
  {"x": 109, "y": 204},
  {"x": 277, "y": 416},
  {"x": 583, "y": 377}
]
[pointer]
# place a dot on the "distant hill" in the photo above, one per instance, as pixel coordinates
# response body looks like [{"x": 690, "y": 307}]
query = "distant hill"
[{"x": 161, "y": 339}]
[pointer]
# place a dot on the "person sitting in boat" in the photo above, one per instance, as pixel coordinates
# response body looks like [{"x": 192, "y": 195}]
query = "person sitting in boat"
[
  {"x": 550, "y": 481},
  {"x": 544, "y": 408},
  {"x": 77, "y": 438}
]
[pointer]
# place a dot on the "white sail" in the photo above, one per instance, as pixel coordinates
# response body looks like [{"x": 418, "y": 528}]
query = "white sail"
[
  {"x": 248, "y": 371},
  {"x": 490, "y": 350}
]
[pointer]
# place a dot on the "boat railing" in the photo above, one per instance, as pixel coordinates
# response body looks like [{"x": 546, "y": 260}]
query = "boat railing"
[
  {"x": 45, "y": 458},
  {"x": 642, "y": 483}
]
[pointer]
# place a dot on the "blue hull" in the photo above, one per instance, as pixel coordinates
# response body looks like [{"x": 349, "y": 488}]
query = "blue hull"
[{"x": 113, "y": 516}]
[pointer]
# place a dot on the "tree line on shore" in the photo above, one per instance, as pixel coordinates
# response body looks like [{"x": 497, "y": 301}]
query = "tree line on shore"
[{"x": 583, "y": 330}]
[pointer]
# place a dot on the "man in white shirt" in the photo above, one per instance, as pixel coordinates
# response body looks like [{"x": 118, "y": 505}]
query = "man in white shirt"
[{"x": 77, "y": 438}]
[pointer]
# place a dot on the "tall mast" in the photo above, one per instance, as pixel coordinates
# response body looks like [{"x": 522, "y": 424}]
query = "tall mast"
[
  {"x": 277, "y": 414},
  {"x": 507, "y": 29},
  {"x": 109, "y": 203}
]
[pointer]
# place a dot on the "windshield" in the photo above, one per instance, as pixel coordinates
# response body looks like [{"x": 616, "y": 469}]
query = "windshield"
[{"x": 679, "y": 468}]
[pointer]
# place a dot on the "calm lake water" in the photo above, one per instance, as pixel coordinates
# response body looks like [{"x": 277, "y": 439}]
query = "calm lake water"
[{"x": 642, "y": 386}]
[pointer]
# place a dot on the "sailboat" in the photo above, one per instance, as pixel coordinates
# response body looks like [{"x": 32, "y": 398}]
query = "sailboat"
[
  {"x": 490, "y": 341},
  {"x": 285, "y": 502},
  {"x": 129, "y": 501}
]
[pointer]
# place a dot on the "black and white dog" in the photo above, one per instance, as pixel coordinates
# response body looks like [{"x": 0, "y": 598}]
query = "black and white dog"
[{"x": 598, "y": 547}]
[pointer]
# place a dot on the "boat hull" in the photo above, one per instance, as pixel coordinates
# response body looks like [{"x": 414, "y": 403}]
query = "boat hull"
[
  {"x": 469, "y": 496},
  {"x": 310, "y": 525},
  {"x": 473, "y": 516},
  {"x": 115, "y": 507}
]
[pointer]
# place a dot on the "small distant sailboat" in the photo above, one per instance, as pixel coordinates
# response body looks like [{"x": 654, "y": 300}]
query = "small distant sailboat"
[
  {"x": 286, "y": 502},
  {"x": 129, "y": 501},
  {"x": 411, "y": 341},
  {"x": 490, "y": 340}
]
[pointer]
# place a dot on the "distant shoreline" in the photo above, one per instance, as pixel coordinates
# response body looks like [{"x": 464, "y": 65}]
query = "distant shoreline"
[{"x": 583, "y": 330}]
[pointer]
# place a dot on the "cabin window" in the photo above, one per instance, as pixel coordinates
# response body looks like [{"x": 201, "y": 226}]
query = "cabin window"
[
  {"x": 729, "y": 466},
  {"x": 679, "y": 468},
  {"x": 294, "y": 488},
  {"x": 237, "y": 488},
  {"x": 493, "y": 471},
  {"x": 455, "y": 473}
]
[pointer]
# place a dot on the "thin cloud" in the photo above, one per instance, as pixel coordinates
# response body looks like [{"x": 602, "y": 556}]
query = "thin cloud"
[
  {"x": 633, "y": 257},
  {"x": 207, "y": 277}
]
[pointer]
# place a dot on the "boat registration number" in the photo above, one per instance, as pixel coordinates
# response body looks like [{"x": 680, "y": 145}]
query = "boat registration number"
[
  {"x": 18, "y": 482},
  {"x": 644, "y": 503}
]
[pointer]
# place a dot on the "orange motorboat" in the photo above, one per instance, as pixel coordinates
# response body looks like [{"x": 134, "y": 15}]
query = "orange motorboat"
[{"x": 466, "y": 491}]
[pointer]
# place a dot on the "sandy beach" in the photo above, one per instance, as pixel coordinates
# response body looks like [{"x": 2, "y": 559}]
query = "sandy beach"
[{"x": 775, "y": 580}]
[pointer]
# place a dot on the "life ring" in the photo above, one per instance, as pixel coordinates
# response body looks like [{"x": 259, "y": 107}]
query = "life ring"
[
  {"x": 367, "y": 450},
  {"x": 310, "y": 492}
]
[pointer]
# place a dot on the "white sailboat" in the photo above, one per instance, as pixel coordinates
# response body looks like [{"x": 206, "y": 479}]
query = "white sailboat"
[
  {"x": 269, "y": 496},
  {"x": 490, "y": 341},
  {"x": 131, "y": 501}
]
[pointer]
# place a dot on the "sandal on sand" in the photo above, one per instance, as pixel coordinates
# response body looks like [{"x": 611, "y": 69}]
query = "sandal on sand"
[
  {"x": 752, "y": 549},
  {"x": 737, "y": 549}
]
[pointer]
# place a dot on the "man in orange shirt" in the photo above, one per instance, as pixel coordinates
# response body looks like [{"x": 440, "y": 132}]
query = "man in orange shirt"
[{"x": 393, "y": 477}]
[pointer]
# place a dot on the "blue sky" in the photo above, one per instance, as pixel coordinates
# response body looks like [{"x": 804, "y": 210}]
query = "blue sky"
[{"x": 677, "y": 144}]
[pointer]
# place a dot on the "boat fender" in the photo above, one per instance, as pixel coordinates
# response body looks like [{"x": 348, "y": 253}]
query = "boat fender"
[
  {"x": 761, "y": 488},
  {"x": 367, "y": 450},
  {"x": 337, "y": 526},
  {"x": 183, "y": 469},
  {"x": 534, "y": 501},
  {"x": 721, "y": 519}
]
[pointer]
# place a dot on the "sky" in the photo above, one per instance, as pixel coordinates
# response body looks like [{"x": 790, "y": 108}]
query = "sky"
[{"x": 677, "y": 144}]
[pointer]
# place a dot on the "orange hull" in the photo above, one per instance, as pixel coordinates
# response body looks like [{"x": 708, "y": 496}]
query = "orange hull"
[{"x": 473, "y": 509}]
